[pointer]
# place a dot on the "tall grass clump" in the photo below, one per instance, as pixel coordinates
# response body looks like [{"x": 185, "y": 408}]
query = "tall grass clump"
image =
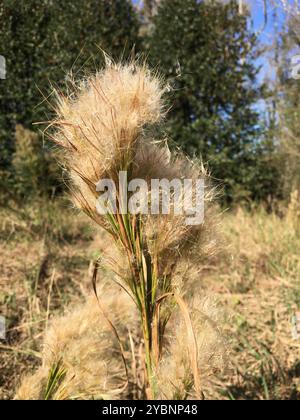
[
  {"x": 34, "y": 173},
  {"x": 105, "y": 126}
]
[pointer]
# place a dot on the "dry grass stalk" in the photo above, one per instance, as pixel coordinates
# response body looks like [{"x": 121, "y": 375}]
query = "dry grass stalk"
[
  {"x": 293, "y": 211},
  {"x": 104, "y": 127}
]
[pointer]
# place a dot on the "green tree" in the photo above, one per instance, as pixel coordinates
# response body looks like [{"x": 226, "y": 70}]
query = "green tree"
[
  {"x": 288, "y": 105},
  {"x": 208, "y": 52},
  {"x": 42, "y": 40}
]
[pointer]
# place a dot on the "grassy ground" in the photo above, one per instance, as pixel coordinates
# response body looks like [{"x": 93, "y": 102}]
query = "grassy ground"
[
  {"x": 260, "y": 286},
  {"x": 45, "y": 264}
]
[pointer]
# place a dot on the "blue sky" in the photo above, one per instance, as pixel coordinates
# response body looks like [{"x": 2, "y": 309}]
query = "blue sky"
[{"x": 268, "y": 32}]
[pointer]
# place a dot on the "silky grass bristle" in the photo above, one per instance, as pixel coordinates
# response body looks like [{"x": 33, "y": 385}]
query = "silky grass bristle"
[
  {"x": 104, "y": 127},
  {"x": 175, "y": 373},
  {"x": 80, "y": 357}
]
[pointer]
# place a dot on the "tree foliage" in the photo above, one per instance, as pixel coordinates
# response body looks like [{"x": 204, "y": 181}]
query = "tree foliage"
[
  {"x": 205, "y": 48},
  {"x": 42, "y": 40},
  {"x": 208, "y": 52},
  {"x": 288, "y": 88}
]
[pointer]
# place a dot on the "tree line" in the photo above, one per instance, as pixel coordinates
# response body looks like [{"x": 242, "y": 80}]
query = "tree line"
[{"x": 205, "y": 49}]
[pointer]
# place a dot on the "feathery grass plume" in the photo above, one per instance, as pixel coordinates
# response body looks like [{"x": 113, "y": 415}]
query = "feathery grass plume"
[
  {"x": 104, "y": 127},
  {"x": 175, "y": 376},
  {"x": 31, "y": 386},
  {"x": 80, "y": 358}
]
